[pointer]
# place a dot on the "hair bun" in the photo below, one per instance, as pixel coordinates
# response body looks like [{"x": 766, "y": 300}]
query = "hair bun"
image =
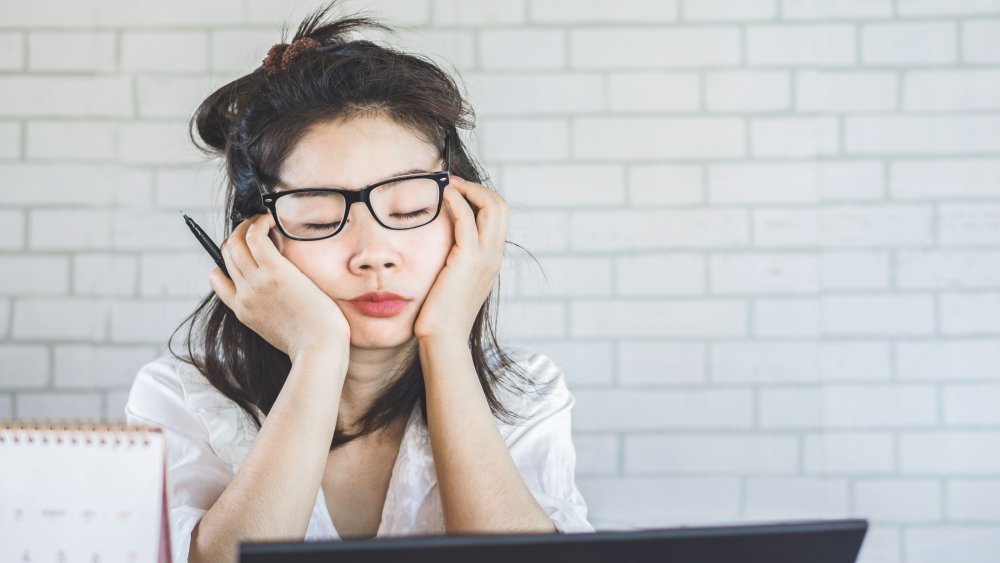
[{"x": 281, "y": 55}]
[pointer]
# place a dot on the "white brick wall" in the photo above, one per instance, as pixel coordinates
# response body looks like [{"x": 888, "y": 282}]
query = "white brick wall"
[{"x": 770, "y": 231}]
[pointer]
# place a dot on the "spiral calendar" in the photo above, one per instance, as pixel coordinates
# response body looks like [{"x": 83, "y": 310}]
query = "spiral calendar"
[{"x": 81, "y": 491}]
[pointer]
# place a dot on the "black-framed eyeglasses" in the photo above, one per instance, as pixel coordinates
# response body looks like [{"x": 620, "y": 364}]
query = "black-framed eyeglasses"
[{"x": 397, "y": 203}]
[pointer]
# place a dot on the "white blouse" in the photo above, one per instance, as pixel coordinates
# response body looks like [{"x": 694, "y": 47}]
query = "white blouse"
[{"x": 208, "y": 435}]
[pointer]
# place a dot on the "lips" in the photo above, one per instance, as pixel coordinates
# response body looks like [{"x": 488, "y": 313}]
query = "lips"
[{"x": 380, "y": 303}]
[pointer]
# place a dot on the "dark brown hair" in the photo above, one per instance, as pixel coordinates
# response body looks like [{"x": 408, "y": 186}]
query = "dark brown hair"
[{"x": 253, "y": 123}]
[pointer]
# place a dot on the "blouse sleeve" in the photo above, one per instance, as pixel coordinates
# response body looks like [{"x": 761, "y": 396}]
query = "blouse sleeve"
[
  {"x": 196, "y": 476},
  {"x": 542, "y": 448}
]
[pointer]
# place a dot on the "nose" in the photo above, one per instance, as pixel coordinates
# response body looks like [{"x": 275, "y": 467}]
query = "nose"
[{"x": 373, "y": 250}]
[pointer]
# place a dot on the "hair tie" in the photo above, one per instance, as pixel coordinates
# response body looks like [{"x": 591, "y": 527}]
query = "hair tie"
[{"x": 281, "y": 55}]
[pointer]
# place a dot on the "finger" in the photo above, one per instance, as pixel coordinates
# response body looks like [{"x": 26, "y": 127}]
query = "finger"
[
  {"x": 491, "y": 218},
  {"x": 222, "y": 286},
  {"x": 466, "y": 233},
  {"x": 261, "y": 246},
  {"x": 235, "y": 274},
  {"x": 238, "y": 250}
]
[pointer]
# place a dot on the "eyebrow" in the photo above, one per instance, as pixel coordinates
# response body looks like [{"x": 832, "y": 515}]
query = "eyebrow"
[{"x": 393, "y": 175}]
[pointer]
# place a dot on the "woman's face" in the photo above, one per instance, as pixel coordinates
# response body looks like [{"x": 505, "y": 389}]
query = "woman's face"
[{"x": 364, "y": 256}]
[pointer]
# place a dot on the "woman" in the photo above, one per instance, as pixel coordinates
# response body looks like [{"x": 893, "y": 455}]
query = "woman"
[{"x": 344, "y": 379}]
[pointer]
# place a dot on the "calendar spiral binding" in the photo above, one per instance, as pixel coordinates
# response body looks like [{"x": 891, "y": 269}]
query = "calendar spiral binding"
[{"x": 75, "y": 431}]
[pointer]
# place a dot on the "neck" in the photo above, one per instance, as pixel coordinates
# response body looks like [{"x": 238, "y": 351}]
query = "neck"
[{"x": 369, "y": 372}]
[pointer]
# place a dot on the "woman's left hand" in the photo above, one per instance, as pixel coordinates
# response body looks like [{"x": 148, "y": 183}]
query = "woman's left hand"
[{"x": 472, "y": 266}]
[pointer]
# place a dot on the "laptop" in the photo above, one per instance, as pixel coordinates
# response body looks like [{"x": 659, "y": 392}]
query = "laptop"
[{"x": 819, "y": 541}]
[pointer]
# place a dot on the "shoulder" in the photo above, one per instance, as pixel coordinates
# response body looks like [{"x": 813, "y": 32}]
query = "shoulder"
[{"x": 546, "y": 390}]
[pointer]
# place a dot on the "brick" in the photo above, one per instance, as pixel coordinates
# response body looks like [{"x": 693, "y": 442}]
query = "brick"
[
  {"x": 44, "y": 96},
  {"x": 944, "y": 178},
  {"x": 408, "y": 12},
  {"x": 622, "y": 48},
  {"x": 849, "y": 406},
  {"x": 849, "y": 453},
  {"x": 972, "y": 313},
  {"x": 761, "y": 273},
  {"x": 811, "y": 45},
  {"x": 596, "y": 454},
  {"x": 898, "y": 500},
  {"x": 548, "y": 94},
  {"x": 570, "y": 276},
  {"x": 62, "y": 184},
  {"x": 854, "y": 270},
  {"x": 950, "y": 543},
  {"x": 660, "y": 501},
  {"x": 787, "y": 228},
  {"x": 10, "y": 140},
  {"x": 945, "y": 90},
  {"x": 971, "y": 405},
  {"x": 110, "y": 13},
  {"x": 650, "y": 91},
  {"x": 923, "y": 135},
  {"x": 661, "y": 274},
  {"x": 648, "y": 138},
  {"x": 661, "y": 363},
  {"x": 149, "y": 321},
  {"x": 6, "y": 406},
  {"x": 542, "y": 231},
  {"x": 973, "y": 499},
  {"x": 5, "y": 308},
  {"x": 786, "y": 317},
  {"x": 970, "y": 359},
  {"x": 157, "y": 143},
  {"x": 910, "y": 43},
  {"x": 969, "y": 224},
  {"x": 585, "y": 185},
  {"x": 446, "y": 48},
  {"x": 644, "y": 230},
  {"x": 845, "y": 91},
  {"x": 794, "y": 136},
  {"x": 598, "y": 11},
  {"x": 532, "y": 319},
  {"x": 788, "y": 498},
  {"x": 479, "y": 12},
  {"x": 59, "y": 405},
  {"x": 73, "y": 51},
  {"x": 88, "y": 366},
  {"x": 858, "y": 226},
  {"x": 92, "y": 140},
  {"x": 742, "y": 90},
  {"x": 12, "y": 221},
  {"x": 534, "y": 140},
  {"x": 167, "y": 96},
  {"x": 978, "y": 41},
  {"x": 870, "y": 315},
  {"x": 175, "y": 274},
  {"x": 813, "y": 10},
  {"x": 665, "y": 184},
  {"x": 115, "y": 402},
  {"x": 721, "y": 317},
  {"x": 238, "y": 50},
  {"x": 794, "y": 182},
  {"x": 948, "y": 269},
  {"x": 947, "y": 7},
  {"x": 26, "y": 366},
  {"x": 881, "y": 545},
  {"x": 66, "y": 319},
  {"x": 711, "y": 454},
  {"x": 950, "y": 453},
  {"x": 729, "y": 10},
  {"x": 522, "y": 49},
  {"x": 164, "y": 51},
  {"x": 583, "y": 363},
  {"x": 12, "y": 51},
  {"x": 190, "y": 188},
  {"x": 36, "y": 275},
  {"x": 59, "y": 229},
  {"x": 790, "y": 361},
  {"x": 104, "y": 274},
  {"x": 662, "y": 410}
]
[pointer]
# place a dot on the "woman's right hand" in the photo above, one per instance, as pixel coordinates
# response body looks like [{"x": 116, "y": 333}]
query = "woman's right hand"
[{"x": 272, "y": 296}]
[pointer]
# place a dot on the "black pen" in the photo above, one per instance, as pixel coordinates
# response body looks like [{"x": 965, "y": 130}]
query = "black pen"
[{"x": 206, "y": 242}]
